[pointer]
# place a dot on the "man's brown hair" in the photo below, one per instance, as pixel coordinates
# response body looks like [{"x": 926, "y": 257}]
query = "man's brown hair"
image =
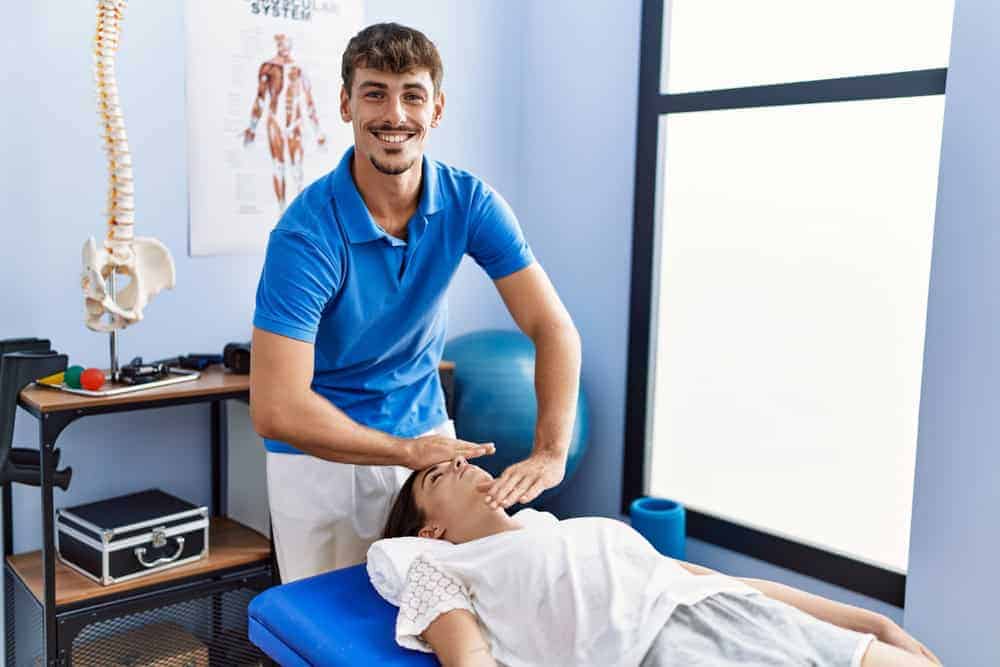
[{"x": 390, "y": 47}]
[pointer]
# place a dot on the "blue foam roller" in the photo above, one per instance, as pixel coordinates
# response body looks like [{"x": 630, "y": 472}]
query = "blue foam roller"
[{"x": 662, "y": 522}]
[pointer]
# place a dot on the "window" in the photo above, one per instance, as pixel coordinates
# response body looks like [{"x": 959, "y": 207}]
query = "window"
[
  {"x": 716, "y": 44},
  {"x": 781, "y": 260}
]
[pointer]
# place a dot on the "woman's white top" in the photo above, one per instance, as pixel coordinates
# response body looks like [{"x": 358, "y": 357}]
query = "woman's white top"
[{"x": 587, "y": 591}]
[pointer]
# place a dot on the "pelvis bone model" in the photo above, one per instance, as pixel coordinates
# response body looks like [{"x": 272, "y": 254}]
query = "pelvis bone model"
[{"x": 144, "y": 262}]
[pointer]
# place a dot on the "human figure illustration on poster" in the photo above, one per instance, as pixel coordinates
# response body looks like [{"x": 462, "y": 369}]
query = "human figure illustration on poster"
[
  {"x": 263, "y": 112},
  {"x": 284, "y": 92}
]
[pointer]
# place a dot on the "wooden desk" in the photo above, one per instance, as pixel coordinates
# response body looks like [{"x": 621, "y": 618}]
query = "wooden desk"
[
  {"x": 239, "y": 558},
  {"x": 214, "y": 382}
]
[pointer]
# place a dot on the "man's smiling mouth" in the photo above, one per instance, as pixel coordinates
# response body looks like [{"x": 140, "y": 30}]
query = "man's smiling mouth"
[{"x": 393, "y": 138}]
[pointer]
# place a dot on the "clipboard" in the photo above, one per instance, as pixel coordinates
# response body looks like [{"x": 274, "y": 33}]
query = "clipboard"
[{"x": 177, "y": 375}]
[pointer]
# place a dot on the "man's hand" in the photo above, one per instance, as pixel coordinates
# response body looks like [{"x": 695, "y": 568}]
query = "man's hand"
[
  {"x": 525, "y": 480},
  {"x": 431, "y": 449},
  {"x": 248, "y": 136},
  {"x": 890, "y": 633}
]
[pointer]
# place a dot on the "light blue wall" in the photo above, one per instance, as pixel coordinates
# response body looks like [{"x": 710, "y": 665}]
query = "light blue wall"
[
  {"x": 953, "y": 586},
  {"x": 578, "y": 117},
  {"x": 19, "y": 224},
  {"x": 53, "y": 198}
]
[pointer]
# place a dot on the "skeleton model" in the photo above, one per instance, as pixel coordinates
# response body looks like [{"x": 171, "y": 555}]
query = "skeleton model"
[
  {"x": 145, "y": 262},
  {"x": 282, "y": 86}
]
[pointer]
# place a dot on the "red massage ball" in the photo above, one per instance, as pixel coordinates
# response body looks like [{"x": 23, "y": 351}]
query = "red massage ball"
[{"x": 92, "y": 379}]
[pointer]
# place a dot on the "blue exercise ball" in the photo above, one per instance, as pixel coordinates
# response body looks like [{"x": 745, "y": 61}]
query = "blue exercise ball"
[{"x": 495, "y": 399}]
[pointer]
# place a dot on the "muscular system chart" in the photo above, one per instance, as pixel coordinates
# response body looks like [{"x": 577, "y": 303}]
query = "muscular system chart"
[{"x": 263, "y": 80}]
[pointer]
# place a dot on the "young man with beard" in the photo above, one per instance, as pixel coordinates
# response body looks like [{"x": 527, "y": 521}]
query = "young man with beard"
[{"x": 350, "y": 318}]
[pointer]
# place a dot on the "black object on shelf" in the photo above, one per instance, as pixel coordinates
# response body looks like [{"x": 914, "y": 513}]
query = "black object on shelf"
[
  {"x": 130, "y": 536},
  {"x": 191, "y": 362},
  {"x": 236, "y": 357},
  {"x": 136, "y": 372}
]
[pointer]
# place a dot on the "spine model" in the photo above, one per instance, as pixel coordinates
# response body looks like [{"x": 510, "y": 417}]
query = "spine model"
[
  {"x": 121, "y": 190},
  {"x": 144, "y": 262}
]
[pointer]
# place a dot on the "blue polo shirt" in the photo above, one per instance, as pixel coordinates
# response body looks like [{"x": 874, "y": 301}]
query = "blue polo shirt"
[{"x": 374, "y": 305}]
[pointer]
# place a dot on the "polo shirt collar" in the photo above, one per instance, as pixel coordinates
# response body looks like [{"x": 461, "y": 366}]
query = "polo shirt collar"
[
  {"x": 355, "y": 216},
  {"x": 430, "y": 196}
]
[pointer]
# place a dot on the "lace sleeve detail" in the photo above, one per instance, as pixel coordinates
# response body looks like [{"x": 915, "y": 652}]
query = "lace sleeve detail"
[{"x": 428, "y": 592}]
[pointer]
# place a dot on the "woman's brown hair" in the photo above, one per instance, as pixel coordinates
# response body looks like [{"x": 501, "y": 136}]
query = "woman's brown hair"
[{"x": 405, "y": 518}]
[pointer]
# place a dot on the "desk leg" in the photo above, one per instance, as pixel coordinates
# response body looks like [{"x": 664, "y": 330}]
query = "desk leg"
[
  {"x": 49, "y": 428},
  {"x": 49, "y": 639},
  {"x": 8, "y": 521},
  {"x": 220, "y": 460},
  {"x": 220, "y": 494},
  {"x": 8, "y": 549}
]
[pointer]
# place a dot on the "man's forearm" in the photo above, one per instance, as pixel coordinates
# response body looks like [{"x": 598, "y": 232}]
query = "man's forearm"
[
  {"x": 315, "y": 426},
  {"x": 557, "y": 386},
  {"x": 846, "y": 616}
]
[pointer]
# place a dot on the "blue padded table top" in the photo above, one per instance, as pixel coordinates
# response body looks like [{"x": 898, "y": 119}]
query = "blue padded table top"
[{"x": 330, "y": 620}]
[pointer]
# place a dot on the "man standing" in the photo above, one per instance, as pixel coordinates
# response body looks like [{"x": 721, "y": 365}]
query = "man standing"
[{"x": 350, "y": 321}]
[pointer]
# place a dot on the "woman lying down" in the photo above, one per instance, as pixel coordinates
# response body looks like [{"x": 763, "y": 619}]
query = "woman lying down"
[{"x": 479, "y": 587}]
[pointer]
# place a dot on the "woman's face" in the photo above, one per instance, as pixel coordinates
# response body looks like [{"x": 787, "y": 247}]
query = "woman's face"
[{"x": 448, "y": 495}]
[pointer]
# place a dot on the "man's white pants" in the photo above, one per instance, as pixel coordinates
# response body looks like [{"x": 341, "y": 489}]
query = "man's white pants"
[{"x": 325, "y": 515}]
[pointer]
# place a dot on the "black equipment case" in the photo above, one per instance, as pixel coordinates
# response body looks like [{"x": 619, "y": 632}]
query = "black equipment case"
[{"x": 131, "y": 536}]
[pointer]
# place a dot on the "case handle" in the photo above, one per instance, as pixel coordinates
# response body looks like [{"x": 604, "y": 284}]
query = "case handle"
[{"x": 140, "y": 554}]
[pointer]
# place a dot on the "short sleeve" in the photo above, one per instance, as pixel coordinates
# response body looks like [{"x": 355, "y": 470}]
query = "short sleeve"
[
  {"x": 428, "y": 592},
  {"x": 496, "y": 241},
  {"x": 296, "y": 284}
]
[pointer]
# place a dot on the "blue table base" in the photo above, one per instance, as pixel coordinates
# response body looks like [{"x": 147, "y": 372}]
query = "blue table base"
[{"x": 334, "y": 619}]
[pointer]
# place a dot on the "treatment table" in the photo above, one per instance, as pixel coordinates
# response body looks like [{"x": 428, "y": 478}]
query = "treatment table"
[{"x": 330, "y": 620}]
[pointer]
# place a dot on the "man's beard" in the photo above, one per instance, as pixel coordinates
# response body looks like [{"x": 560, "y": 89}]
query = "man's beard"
[{"x": 389, "y": 170}]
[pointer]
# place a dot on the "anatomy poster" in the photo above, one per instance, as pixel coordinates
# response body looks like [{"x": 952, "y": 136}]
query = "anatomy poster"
[{"x": 263, "y": 87}]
